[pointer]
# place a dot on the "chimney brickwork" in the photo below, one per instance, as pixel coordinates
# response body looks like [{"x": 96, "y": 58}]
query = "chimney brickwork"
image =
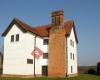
[
  {"x": 56, "y": 56},
  {"x": 58, "y": 18}
]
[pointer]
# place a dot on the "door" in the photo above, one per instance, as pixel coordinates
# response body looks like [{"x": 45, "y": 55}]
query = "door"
[{"x": 44, "y": 70}]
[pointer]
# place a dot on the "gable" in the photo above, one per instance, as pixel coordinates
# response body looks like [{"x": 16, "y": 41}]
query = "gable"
[
  {"x": 69, "y": 25},
  {"x": 72, "y": 35},
  {"x": 10, "y": 26},
  {"x": 15, "y": 29}
]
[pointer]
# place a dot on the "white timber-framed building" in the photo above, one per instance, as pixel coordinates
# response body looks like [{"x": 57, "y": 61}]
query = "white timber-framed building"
[{"x": 57, "y": 40}]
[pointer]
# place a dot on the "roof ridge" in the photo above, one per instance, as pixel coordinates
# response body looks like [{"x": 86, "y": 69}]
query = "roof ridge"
[
  {"x": 19, "y": 21},
  {"x": 42, "y": 25}
]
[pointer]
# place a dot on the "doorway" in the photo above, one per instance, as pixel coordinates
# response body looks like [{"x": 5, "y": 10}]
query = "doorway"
[{"x": 45, "y": 70}]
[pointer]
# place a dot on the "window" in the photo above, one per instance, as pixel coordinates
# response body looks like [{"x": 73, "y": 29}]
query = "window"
[
  {"x": 12, "y": 38},
  {"x": 29, "y": 61},
  {"x": 71, "y": 69},
  {"x": 45, "y": 56},
  {"x": 71, "y": 55},
  {"x": 45, "y": 41},
  {"x": 17, "y": 37},
  {"x": 71, "y": 42}
]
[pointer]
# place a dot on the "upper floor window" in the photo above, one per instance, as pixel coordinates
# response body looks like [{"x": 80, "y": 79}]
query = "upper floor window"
[
  {"x": 29, "y": 61},
  {"x": 12, "y": 38},
  {"x": 73, "y": 56},
  {"x": 45, "y": 41},
  {"x": 45, "y": 56},
  {"x": 71, "y": 43},
  {"x": 17, "y": 37}
]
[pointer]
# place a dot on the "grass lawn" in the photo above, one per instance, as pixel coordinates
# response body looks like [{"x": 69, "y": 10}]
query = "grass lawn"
[{"x": 80, "y": 77}]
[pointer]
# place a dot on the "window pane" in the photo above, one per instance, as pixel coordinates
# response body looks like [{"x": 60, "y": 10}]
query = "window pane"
[
  {"x": 71, "y": 69},
  {"x": 70, "y": 42},
  {"x": 29, "y": 61},
  {"x": 45, "y": 41},
  {"x": 71, "y": 55},
  {"x": 45, "y": 56},
  {"x": 12, "y": 38},
  {"x": 17, "y": 37},
  {"x": 73, "y": 43}
]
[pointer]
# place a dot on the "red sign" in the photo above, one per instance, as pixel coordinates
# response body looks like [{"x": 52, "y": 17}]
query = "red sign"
[{"x": 37, "y": 53}]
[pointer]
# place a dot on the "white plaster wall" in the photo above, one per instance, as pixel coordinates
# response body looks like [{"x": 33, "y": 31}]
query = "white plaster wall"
[
  {"x": 41, "y": 62},
  {"x": 17, "y": 53},
  {"x": 72, "y": 50}
]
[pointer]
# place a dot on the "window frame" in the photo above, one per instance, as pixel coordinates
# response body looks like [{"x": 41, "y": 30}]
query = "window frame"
[
  {"x": 29, "y": 61},
  {"x": 45, "y": 56},
  {"x": 71, "y": 55},
  {"x": 12, "y": 38},
  {"x": 71, "y": 42},
  {"x": 45, "y": 41},
  {"x": 71, "y": 69},
  {"x": 17, "y": 37}
]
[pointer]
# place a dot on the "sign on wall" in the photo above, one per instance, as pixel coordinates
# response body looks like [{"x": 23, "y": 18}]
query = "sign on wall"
[{"x": 37, "y": 53}]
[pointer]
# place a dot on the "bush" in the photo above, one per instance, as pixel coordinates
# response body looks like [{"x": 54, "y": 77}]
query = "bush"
[
  {"x": 91, "y": 71},
  {"x": 98, "y": 68}
]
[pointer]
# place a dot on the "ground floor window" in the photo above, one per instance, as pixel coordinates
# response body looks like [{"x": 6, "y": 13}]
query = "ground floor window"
[
  {"x": 71, "y": 69},
  {"x": 29, "y": 61}
]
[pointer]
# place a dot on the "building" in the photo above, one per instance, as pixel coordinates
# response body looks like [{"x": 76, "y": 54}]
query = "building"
[{"x": 57, "y": 40}]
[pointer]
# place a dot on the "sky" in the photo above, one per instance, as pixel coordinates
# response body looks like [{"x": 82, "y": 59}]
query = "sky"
[{"x": 85, "y": 13}]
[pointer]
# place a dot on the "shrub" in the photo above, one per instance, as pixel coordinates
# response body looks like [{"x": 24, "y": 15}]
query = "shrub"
[
  {"x": 98, "y": 68},
  {"x": 91, "y": 71}
]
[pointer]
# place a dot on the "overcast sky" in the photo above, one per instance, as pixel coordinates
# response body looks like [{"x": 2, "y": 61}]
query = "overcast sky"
[{"x": 85, "y": 13}]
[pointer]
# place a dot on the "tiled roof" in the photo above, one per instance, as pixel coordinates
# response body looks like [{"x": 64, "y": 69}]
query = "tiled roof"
[{"x": 42, "y": 31}]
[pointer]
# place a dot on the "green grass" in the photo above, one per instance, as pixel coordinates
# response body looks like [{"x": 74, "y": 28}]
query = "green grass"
[{"x": 80, "y": 77}]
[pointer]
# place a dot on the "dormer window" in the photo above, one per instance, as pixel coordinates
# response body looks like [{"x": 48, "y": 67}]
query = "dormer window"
[
  {"x": 17, "y": 37},
  {"x": 12, "y": 38}
]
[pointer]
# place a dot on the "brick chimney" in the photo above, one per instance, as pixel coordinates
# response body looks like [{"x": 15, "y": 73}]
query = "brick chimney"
[
  {"x": 58, "y": 18},
  {"x": 56, "y": 56}
]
